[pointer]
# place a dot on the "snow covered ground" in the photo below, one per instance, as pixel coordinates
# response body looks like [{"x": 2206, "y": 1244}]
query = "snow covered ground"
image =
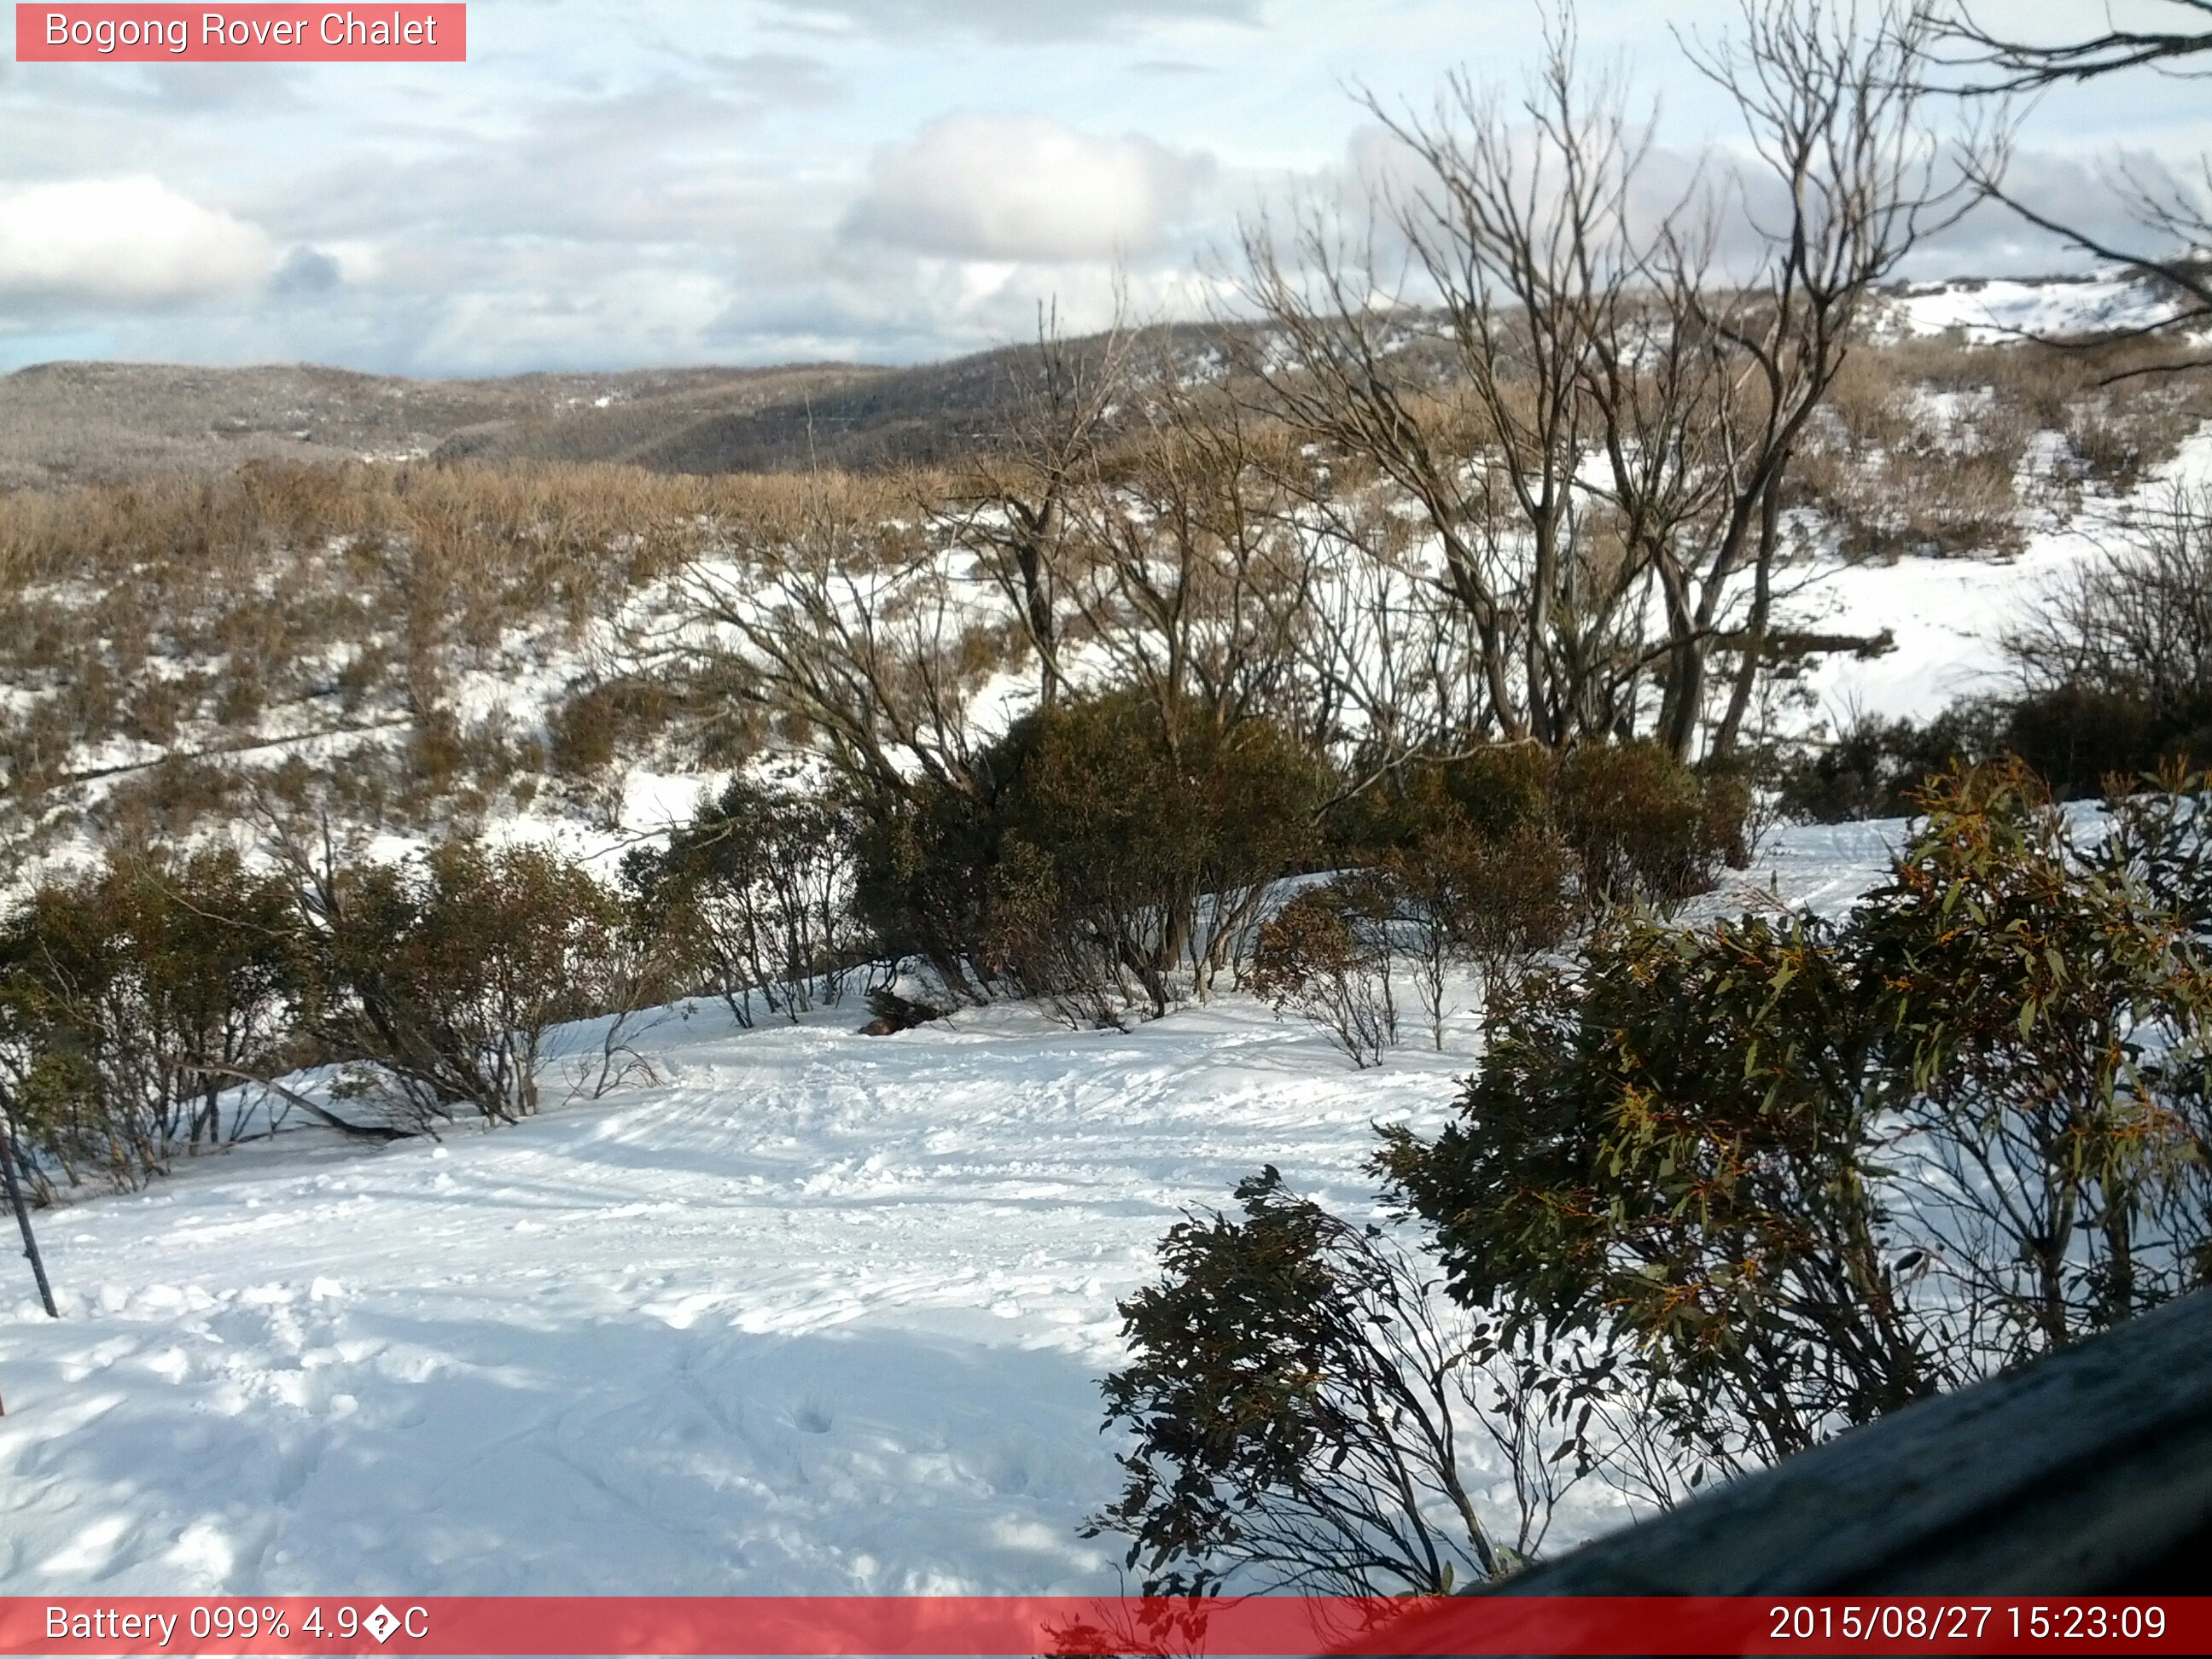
[
  {"x": 1948, "y": 615},
  {"x": 1994, "y": 311},
  {"x": 815, "y": 1312},
  {"x": 820, "y": 1313}
]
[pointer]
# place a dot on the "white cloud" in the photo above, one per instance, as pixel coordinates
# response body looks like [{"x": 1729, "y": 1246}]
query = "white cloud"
[
  {"x": 1020, "y": 20},
  {"x": 1024, "y": 187},
  {"x": 131, "y": 241}
]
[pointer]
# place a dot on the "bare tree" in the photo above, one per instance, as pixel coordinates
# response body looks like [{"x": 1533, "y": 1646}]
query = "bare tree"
[
  {"x": 2174, "y": 215},
  {"x": 1837, "y": 120},
  {"x": 1184, "y": 566},
  {"x": 1010, "y": 507},
  {"x": 1453, "y": 366},
  {"x": 2024, "y": 66},
  {"x": 2136, "y": 623},
  {"x": 825, "y": 605},
  {"x": 1587, "y": 416}
]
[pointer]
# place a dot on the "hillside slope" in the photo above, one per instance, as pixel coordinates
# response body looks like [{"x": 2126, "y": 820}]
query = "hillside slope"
[{"x": 98, "y": 423}]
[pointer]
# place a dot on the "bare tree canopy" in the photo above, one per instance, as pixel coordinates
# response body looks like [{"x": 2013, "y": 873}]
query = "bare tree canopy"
[
  {"x": 2025, "y": 66},
  {"x": 1585, "y": 423},
  {"x": 2173, "y": 213}
]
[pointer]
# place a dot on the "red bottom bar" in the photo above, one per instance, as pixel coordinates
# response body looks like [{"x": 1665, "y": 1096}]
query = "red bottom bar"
[{"x": 1015, "y": 1627}]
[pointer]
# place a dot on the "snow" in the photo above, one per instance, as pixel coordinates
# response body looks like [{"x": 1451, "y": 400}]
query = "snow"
[
  {"x": 1995, "y": 311},
  {"x": 1948, "y": 615},
  {"x": 818, "y": 1312},
  {"x": 804, "y": 1312},
  {"x": 1945, "y": 615}
]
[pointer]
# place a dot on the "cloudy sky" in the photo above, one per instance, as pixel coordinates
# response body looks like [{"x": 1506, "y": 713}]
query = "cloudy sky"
[{"x": 622, "y": 183}]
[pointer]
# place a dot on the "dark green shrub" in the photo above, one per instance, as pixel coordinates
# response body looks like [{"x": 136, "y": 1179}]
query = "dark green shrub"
[
  {"x": 134, "y": 1001},
  {"x": 1876, "y": 768},
  {"x": 2078, "y": 737},
  {"x": 2047, "y": 1016},
  {"x": 586, "y": 734},
  {"x": 1489, "y": 903},
  {"x": 759, "y": 887},
  {"x": 1645, "y": 828},
  {"x": 1812, "y": 1171},
  {"x": 1493, "y": 792},
  {"x": 439, "y": 980},
  {"x": 923, "y": 864},
  {"x": 1326, "y": 956},
  {"x": 1094, "y": 861},
  {"x": 1295, "y": 1395},
  {"x": 1638, "y": 824},
  {"x": 1669, "y": 1147},
  {"x": 2114, "y": 666}
]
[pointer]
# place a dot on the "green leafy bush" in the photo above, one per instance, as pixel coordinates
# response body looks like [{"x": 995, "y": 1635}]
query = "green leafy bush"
[
  {"x": 1719, "y": 1146},
  {"x": 1491, "y": 905},
  {"x": 1102, "y": 859},
  {"x": 758, "y": 891},
  {"x": 1876, "y": 768},
  {"x": 1295, "y": 1398},
  {"x": 1712, "y": 1195},
  {"x": 1645, "y": 828},
  {"x": 438, "y": 980},
  {"x": 1637, "y": 826},
  {"x": 1326, "y": 956},
  {"x": 133, "y": 1001}
]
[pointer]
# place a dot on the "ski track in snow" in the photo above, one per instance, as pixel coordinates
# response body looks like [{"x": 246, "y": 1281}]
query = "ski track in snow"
[{"x": 817, "y": 1313}]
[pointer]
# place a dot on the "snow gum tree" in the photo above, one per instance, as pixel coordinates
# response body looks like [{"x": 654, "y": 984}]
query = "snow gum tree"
[{"x": 1585, "y": 390}]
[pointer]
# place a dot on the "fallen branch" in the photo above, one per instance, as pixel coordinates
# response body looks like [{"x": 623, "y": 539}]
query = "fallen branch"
[{"x": 382, "y": 1133}]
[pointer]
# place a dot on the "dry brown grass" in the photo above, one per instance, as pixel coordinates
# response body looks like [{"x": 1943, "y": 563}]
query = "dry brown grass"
[
  {"x": 199, "y": 615},
  {"x": 1921, "y": 446}
]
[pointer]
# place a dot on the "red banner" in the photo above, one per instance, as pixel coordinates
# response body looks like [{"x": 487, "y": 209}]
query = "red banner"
[
  {"x": 1018, "y": 1628},
  {"x": 125, "y": 34}
]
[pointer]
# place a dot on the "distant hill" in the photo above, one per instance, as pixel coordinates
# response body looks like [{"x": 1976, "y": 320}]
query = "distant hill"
[
  {"x": 81, "y": 423},
  {"x": 110, "y": 422}
]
